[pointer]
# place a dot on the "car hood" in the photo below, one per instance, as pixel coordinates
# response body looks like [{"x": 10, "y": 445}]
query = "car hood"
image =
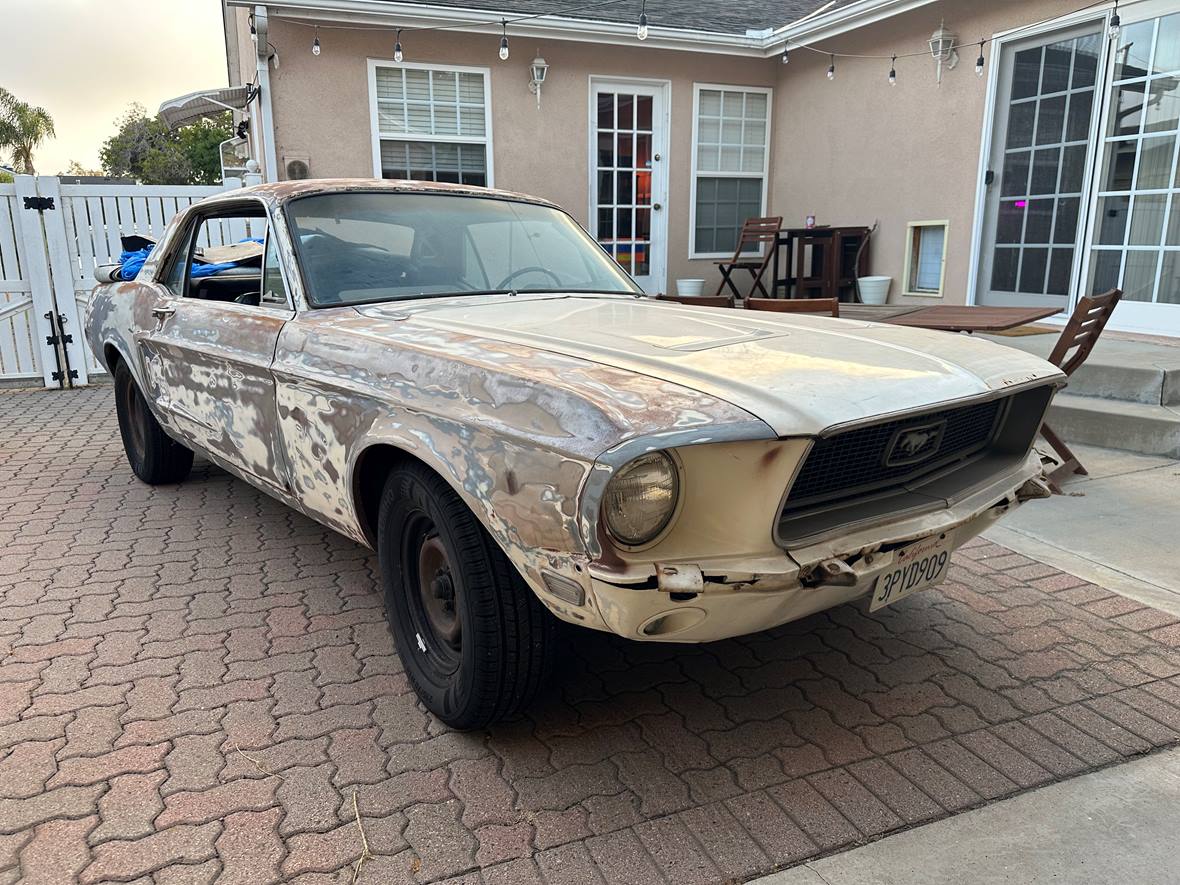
[{"x": 800, "y": 374}]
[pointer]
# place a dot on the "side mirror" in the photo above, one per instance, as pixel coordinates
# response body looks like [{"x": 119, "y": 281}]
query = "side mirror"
[{"x": 108, "y": 273}]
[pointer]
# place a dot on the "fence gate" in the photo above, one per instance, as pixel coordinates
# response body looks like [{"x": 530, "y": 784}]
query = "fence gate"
[
  {"x": 52, "y": 237},
  {"x": 23, "y": 326}
]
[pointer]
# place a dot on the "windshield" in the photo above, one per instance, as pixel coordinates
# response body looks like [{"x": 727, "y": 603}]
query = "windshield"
[{"x": 359, "y": 247}]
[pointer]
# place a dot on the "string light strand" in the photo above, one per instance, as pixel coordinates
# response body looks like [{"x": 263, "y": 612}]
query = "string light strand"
[
  {"x": 643, "y": 29},
  {"x": 832, "y": 54}
]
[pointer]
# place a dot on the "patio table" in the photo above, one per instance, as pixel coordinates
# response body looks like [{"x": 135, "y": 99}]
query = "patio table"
[
  {"x": 876, "y": 313},
  {"x": 961, "y": 318}
]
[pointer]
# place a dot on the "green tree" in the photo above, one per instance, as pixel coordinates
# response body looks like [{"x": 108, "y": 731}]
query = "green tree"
[
  {"x": 76, "y": 168},
  {"x": 147, "y": 149},
  {"x": 23, "y": 129}
]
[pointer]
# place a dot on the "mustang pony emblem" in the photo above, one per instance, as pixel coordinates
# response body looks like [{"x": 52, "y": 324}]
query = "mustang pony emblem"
[{"x": 913, "y": 444}]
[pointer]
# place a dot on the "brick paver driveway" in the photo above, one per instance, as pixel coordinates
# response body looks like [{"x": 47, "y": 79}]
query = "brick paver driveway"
[{"x": 196, "y": 682}]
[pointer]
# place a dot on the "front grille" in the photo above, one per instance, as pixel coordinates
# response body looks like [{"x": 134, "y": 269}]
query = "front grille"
[{"x": 857, "y": 462}]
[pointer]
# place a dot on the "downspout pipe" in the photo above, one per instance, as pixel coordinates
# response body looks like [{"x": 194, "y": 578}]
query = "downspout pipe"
[{"x": 264, "y": 108}]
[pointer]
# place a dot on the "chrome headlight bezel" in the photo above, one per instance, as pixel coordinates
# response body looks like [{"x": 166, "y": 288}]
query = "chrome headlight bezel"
[{"x": 658, "y": 529}]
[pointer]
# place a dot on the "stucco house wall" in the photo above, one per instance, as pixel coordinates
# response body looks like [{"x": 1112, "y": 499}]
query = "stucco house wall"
[
  {"x": 321, "y": 109},
  {"x": 855, "y": 149},
  {"x": 851, "y": 151}
]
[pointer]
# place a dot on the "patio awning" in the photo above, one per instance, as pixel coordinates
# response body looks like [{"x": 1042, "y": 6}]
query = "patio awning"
[{"x": 206, "y": 103}]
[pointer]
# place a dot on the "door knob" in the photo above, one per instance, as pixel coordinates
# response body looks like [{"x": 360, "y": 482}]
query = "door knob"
[{"x": 657, "y": 206}]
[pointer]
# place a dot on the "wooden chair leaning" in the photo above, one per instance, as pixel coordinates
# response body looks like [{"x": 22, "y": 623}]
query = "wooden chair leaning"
[
  {"x": 829, "y": 306},
  {"x": 1073, "y": 347},
  {"x": 699, "y": 300},
  {"x": 755, "y": 231}
]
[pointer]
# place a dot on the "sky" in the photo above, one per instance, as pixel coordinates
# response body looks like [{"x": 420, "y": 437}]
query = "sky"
[{"x": 85, "y": 61}]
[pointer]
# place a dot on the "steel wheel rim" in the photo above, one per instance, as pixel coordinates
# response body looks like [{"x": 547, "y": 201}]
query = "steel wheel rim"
[{"x": 432, "y": 592}]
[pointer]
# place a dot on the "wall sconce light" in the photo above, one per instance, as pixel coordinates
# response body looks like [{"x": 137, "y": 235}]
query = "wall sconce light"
[
  {"x": 538, "y": 69},
  {"x": 942, "y": 49}
]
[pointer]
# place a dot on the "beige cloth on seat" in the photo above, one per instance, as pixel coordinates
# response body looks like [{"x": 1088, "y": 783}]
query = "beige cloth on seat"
[{"x": 227, "y": 254}]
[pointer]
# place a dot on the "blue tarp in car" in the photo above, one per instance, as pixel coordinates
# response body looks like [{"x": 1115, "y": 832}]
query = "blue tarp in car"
[{"x": 130, "y": 263}]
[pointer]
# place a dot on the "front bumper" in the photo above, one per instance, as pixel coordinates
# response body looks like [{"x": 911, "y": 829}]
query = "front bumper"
[{"x": 710, "y": 600}]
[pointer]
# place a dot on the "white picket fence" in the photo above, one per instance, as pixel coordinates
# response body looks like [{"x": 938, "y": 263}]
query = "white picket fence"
[{"x": 52, "y": 237}]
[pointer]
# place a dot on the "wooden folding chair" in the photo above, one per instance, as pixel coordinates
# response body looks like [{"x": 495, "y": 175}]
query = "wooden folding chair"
[
  {"x": 755, "y": 231},
  {"x": 699, "y": 300},
  {"x": 796, "y": 305},
  {"x": 1073, "y": 347}
]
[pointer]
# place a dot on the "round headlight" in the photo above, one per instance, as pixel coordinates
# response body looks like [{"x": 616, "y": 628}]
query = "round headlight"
[{"x": 641, "y": 498}]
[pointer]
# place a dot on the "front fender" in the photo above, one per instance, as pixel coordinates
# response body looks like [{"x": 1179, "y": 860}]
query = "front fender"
[
  {"x": 113, "y": 313},
  {"x": 526, "y": 498}
]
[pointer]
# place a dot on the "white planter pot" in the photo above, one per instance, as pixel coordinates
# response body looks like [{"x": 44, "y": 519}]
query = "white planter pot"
[
  {"x": 874, "y": 290},
  {"x": 690, "y": 287}
]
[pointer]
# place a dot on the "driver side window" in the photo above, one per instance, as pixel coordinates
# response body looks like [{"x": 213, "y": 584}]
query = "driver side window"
[
  {"x": 222, "y": 259},
  {"x": 274, "y": 290},
  {"x": 175, "y": 278}
]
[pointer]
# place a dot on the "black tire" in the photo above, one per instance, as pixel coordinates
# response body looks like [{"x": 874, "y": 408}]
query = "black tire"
[
  {"x": 154, "y": 456},
  {"x": 488, "y": 658}
]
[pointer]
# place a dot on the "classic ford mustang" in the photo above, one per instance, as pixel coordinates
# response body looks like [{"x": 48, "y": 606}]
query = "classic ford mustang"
[{"x": 462, "y": 379}]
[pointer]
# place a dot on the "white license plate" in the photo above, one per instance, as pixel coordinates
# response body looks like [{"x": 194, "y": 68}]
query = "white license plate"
[{"x": 916, "y": 567}]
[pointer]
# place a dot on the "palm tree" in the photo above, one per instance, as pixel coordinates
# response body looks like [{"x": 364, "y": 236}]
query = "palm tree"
[{"x": 23, "y": 128}]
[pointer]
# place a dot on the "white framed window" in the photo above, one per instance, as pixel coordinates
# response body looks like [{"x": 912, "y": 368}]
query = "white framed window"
[
  {"x": 1136, "y": 228},
  {"x": 431, "y": 122},
  {"x": 730, "y": 162},
  {"x": 925, "y": 258}
]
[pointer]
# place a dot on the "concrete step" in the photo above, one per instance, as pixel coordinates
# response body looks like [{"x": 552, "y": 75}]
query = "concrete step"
[
  {"x": 1117, "y": 424},
  {"x": 1108, "y": 380},
  {"x": 1118, "y": 369}
]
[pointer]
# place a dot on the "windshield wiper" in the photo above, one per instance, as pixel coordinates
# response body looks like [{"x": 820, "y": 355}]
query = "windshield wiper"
[
  {"x": 579, "y": 291},
  {"x": 420, "y": 296},
  {"x": 417, "y": 296},
  {"x": 458, "y": 293}
]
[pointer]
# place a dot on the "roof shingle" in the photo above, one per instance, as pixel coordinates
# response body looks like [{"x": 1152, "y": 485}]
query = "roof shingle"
[{"x": 729, "y": 17}]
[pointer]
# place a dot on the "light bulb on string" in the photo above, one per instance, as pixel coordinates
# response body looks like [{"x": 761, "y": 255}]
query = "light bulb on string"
[
  {"x": 315, "y": 44},
  {"x": 893, "y": 72},
  {"x": 1115, "y": 23},
  {"x": 832, "y": 69},
  {"x": 786, "y": 57},
  {"x": 641, "y": 30},
  {"x": 398, "y": 55},
  {"x": 504, "y": 41},
  {"x": 979, "y": 61}
]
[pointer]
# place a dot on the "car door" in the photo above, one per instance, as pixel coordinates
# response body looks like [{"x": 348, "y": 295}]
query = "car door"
[{"x": 207, "y": 359}]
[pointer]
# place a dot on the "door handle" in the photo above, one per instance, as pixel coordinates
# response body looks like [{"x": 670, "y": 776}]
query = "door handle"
[
  {"x": 657, "y": 206},
  {"x": 163, "y": 311}
]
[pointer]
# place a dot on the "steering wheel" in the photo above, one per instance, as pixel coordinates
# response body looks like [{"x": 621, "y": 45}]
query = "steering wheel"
[{"x": 503, "y": 284}]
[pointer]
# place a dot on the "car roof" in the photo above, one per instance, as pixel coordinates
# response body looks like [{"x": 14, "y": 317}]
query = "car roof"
[{"x": 277, "y": 193}]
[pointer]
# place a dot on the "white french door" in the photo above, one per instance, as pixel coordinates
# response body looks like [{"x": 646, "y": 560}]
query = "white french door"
[
  {"x": 1134, "y": 232},
  {"x": 628, "y": 176},
  {"x": 1047, "y": 94},
  {"x": 1082, "y": 190}
]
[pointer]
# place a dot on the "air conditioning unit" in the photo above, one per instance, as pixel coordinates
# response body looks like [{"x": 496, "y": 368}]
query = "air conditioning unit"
[{"x": 297, "y": 166}]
